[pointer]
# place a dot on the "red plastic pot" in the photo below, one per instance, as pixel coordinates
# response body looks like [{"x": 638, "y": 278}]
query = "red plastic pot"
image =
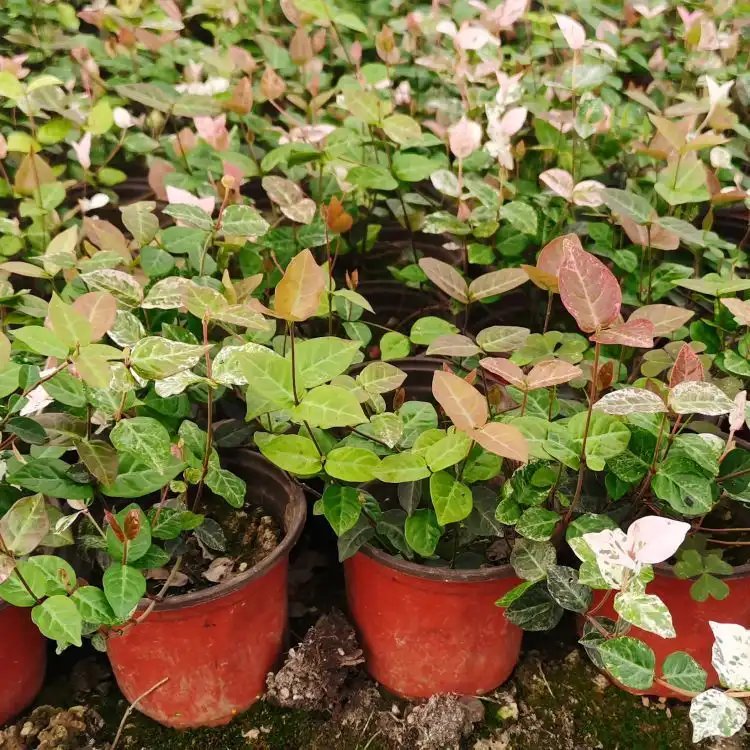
[
  {"x": 23, "y": 658},
  {"x": 431, "y": 630},
  {"x": 216, "y": 646},
  {"x": 690, "y": 619}
]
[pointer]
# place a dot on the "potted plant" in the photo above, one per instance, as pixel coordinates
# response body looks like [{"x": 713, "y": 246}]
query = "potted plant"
[{"x": 120, "y": 421}]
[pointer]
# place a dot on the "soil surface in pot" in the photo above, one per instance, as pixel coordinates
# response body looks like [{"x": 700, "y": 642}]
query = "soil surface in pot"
[{"x": 250, "y": 535}]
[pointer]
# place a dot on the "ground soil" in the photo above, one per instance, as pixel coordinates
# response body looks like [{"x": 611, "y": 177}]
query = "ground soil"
[
  {"x": 322, "y": 699},
  {"x": 251, "y": 535}
]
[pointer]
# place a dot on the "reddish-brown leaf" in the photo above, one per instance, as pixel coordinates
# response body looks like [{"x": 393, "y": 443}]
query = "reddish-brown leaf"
[
  {"x": 552, "y": 372},
  {"x": 687, "y": 366},
  {"x": 638, "y": 333},
  {"x": 506, "y": 370},
  {"x": 464, "y": 405},
  {"x": 589, "y": 290},
  {"x": 503, "y": 440},
  {"x": 606, "y": 376}
]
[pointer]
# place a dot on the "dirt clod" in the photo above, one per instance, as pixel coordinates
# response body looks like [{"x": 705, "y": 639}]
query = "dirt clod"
[
  {"x": 48, "y": 728},
  {"x": 314, "y": 674}
]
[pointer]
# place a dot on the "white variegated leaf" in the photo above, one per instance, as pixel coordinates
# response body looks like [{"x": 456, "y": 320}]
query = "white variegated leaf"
[
  {"x": 630, "y": 401},
  {"x": 715, "y": 714},
  {"x": 227, "y": 365},
  {"x": 176, "y": 384},
  {"x": 645, "y": 611},
  {"x": 731, "y": 655},
  {"x": 696, "y": 397}
]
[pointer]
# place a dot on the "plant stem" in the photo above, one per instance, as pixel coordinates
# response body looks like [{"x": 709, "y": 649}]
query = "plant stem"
[{"x": 582, "y": 467}]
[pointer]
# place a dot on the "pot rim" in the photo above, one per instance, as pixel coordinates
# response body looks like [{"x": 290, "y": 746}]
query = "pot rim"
[
  {"x": 443, "y": 575},
  {"x": 296, "y": 499}
]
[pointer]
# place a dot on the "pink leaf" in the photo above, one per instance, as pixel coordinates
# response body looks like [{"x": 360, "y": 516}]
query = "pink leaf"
[
  {"x": 178, "y": 195},
  {"x": 552, "y": 372},
  {"x": 574, "y": 33},
  {"x": 213, "y": 130},
  {"x": 588, "y": 289},
  {"x": 638, "y": 333},
  {"x": 737, "y": 415},
  {"x": 503, "y": 440},
  {"x": 559, "y": 181},
  {"x": 653, "y": 539},
  {"x": 82, "y": 150},
  {"x": 464, "y": 405},
  {"x": 506, "y": 370},
  {"x": 464, "y": 138},
  {"x": 553, "y": 253},
  {"x": 512, "y": 121},
  {"x": 447, "y": 278},
  {"x": 686, "y": 367}
]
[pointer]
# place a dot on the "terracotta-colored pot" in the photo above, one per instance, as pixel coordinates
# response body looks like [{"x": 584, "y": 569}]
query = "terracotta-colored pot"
[
  {"x": 427, "y": 630},
  {"x": 690, "y": 619},
  {"x": 217, "y": 645},
  {"x": 23, "y": 659}
]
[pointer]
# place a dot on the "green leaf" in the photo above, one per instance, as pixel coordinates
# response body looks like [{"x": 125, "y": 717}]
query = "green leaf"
[
  {"x": 394, "y": 345},
  {"x": 371, "y": 178},
  {"x": 368, "y": 107},
  {"x": 537, "y": 524},
  {"x": 27, "y": 429},
  {"x": 681, "y": 483},
  {"x": 136, "y": 547},
  {"x": 144, "y": 437},
  {"x": 534, "y": 609},
  {"x": 629, "y": 661},
  {"x": 452, "y": 499},
  {"x": 646, "y": 611},
  {"x": 93, "y": 606},
  {"x": 426, "y": 330},
  {"x": 123, "y": 586},
  {"x": 242, "y": 221},
  {"x": 227, "y": 485},
  {"x": 140, "y": 221},
  {"x": 402, "y": 467},
  {"x": 409, "y": 167},
  {"x": 156, "y": 358},
  {"x": 448, "y": 451},
  {"x": 66, "y": 389},
  {"x": 684, "y": 672},
  {"x": 607, "y": 437},
  {"x": 422, "y": 532},
  {"x": 353, "y": 540},
  {"x": 49, "y": 476},
  {"x": 100, "y": 118},
  {"x": 352, "y": 464},
  {"x": 683, "y": 181},
  {"x": 531, "y": 560},
  {"x": 190, "y": 216},
  {"x": 520, "y": 216},
  {"x": 565, "y": 589},
  {"x": 341, "y": 507},
  {"x": 136, "y": 479},
  {"x": 42, "y": 341},
  {"x": 100, "y": 459},
  {"x": 293, "y": 453},
  {"x": 628, "y": 204},
  {"x": 58, "y": 618},
  {"x": 59, "y": 575},
  {"x": 402, "y": 129},
  {"x": 24, "y": 525},
  {"x": 330, "y": 406},
  {"x": 319, "y": 360}
]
